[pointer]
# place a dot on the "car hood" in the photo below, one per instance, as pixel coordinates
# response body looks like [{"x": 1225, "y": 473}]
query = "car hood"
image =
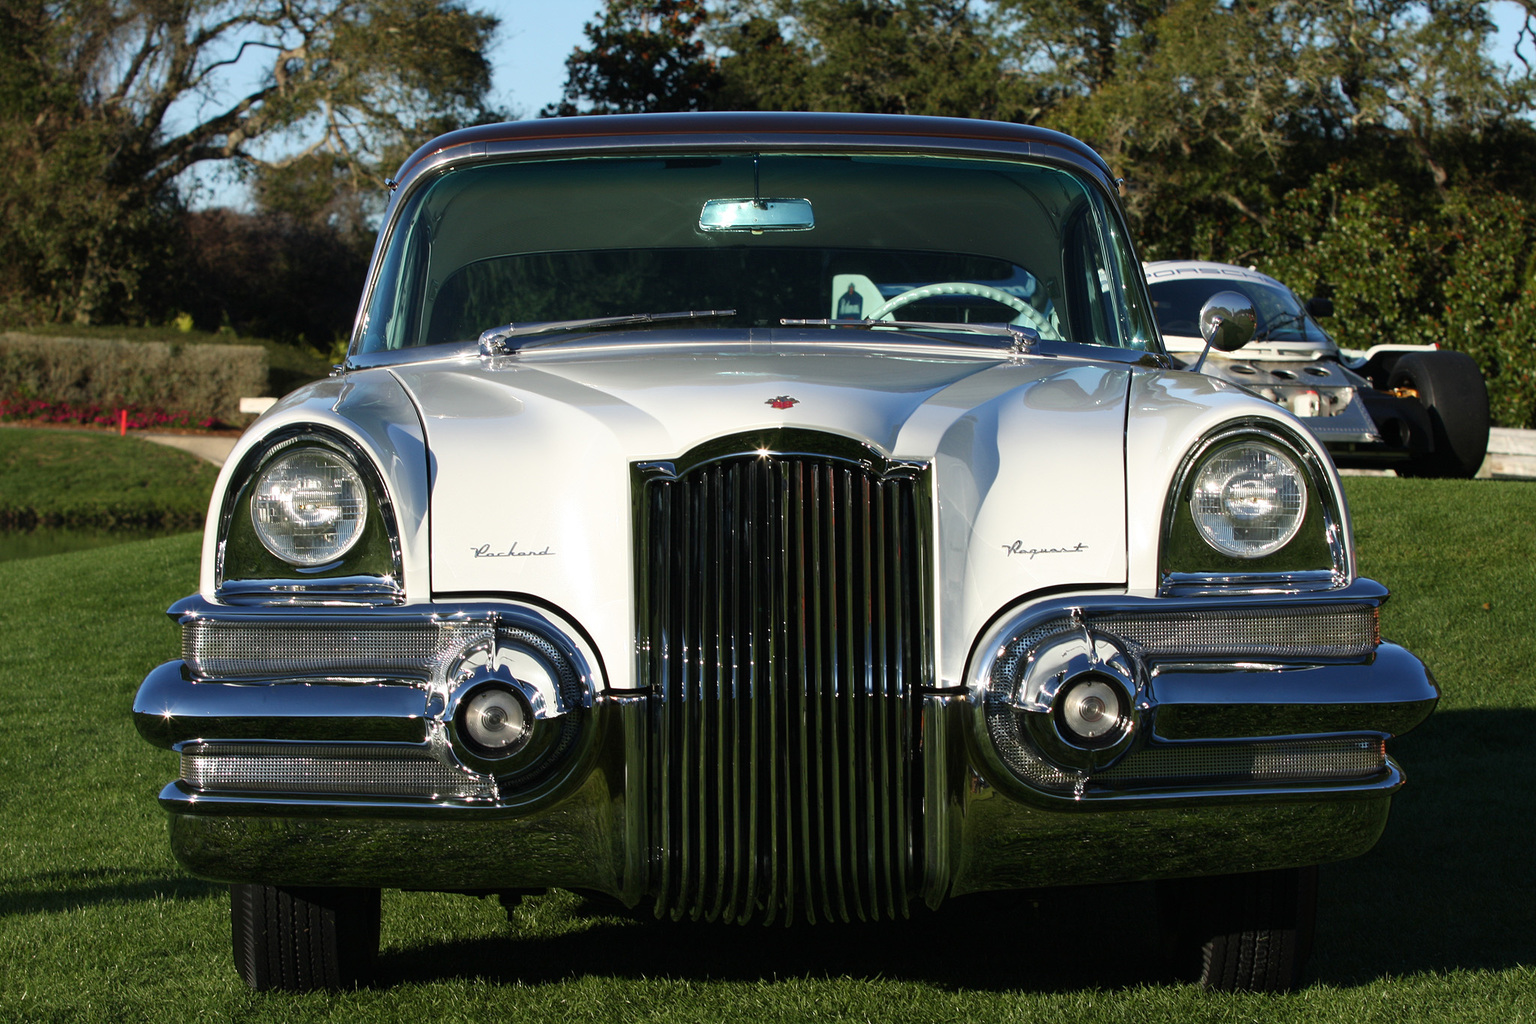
[{"x": 530, "y": 464}]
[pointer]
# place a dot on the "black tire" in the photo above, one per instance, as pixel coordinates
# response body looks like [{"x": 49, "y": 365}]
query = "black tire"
[
  {"x": 299, "y": 940},
  {"x": 1240, "y": 933},
  {"x": 1455, "y": 398}
]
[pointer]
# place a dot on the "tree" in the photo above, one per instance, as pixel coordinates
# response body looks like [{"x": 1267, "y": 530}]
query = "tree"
[
  {"x": 645, "y": 55},
  {"x": 105, "y": 104},
  {"x": 937, "y": 57},
  {"x": 1231, "y": 102},
  {"x": 892, "y": 56}
]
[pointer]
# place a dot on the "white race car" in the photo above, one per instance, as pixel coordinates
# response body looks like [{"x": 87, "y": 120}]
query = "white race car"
[{"x": 1418, "y": 409}]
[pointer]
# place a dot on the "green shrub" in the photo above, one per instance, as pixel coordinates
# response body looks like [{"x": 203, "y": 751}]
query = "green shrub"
[
  {"x": 1457, "y": 269},
  {"x": 205, "y": 380}
]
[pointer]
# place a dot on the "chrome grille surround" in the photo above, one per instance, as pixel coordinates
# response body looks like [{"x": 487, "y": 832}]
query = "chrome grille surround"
[
  {"x": 1210, "y": 635},
  {"x": 322, "y": 702},
  {"x": 783, "y": 623}
]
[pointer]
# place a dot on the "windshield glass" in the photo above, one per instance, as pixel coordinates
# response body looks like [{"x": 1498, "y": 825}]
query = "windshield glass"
[
  {"x": 1281, "y": 316},
  {"x": 771, "y": 236}
]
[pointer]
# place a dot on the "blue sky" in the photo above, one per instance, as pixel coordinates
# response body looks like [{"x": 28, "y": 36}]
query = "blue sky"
[{"x": 535, "y": 38}]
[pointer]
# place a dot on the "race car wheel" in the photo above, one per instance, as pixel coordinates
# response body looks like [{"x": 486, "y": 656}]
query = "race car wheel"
[
  {"x": 1240, "y": 933},
  {"x": 1454, "y": 395},
  {"x": 299, "y": 940}
]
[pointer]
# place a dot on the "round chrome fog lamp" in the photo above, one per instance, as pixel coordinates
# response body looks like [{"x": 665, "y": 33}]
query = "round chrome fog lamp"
[
  {"x": 1091, "y": 712},
  {"x": 497, "y": 721},
  {"x": 508, "y": 704},
  {"x": 1077, "y": 700}
]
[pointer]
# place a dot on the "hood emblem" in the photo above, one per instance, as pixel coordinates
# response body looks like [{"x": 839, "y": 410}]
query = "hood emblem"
[{"x": 782, "y": 402}]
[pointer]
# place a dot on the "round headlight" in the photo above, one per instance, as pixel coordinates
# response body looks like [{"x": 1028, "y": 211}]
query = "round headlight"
[
  {"x": 309, "y": 506},
  {"x": 1249, "y": 500}
]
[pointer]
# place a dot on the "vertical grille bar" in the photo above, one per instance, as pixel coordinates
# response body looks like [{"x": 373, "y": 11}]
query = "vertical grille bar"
[{"x": 783, "y": 620}]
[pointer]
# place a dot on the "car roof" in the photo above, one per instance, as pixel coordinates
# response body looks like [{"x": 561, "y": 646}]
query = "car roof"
[
  {"x": 749, "y": 130},
  {"x": 1169, "y": 270}
]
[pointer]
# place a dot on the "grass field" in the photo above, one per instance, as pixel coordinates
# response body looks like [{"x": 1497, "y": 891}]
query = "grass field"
[
  {"x": 1438, "y": 923},
  {"x": 96, "y": 479}
]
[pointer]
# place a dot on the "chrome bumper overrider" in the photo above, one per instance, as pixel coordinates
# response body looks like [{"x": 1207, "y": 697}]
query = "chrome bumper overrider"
[{"x": 1246, "y": 747}]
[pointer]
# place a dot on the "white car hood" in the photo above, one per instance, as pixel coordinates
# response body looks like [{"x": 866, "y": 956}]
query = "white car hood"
[{"x": 529, "y": 461}]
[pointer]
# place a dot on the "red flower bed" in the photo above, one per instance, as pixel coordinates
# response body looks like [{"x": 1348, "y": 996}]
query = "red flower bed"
[{"x": 37, "y": 410}]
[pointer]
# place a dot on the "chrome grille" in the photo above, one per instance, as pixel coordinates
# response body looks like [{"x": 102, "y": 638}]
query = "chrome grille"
[
  {"x": 1324, "y": 759},
  {"x": 318, "y": 768},
  {"x": 1322, "y": 631},
  {"x": 241, "y": 649},
  {"x": 784, "y": 635}
]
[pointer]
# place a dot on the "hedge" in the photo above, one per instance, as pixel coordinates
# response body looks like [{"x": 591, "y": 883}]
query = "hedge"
[{"x": 204, "y": 380}]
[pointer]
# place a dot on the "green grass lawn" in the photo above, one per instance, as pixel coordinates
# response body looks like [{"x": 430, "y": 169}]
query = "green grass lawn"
[
  {"x": 1438, "y": 923},
  {"x": 96, "y": 479}
]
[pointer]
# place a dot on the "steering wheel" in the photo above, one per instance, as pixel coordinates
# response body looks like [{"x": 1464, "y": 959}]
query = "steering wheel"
[{"x": 1028, "y": 316}]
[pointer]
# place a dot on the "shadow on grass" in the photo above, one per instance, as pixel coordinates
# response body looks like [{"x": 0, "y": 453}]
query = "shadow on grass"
[
  {"x": 1058, "y": 940},
  {"x": 61, "y": 891},
  {"x": 1447, "y": 888},
  {"x": 1450, "y": 884}
]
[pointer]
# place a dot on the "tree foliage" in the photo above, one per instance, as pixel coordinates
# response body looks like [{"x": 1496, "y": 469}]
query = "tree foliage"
[
  {"x": 105, "y": 104},
  {"x": 936, "y": 57},
  {"x": 645, "y": 55}
]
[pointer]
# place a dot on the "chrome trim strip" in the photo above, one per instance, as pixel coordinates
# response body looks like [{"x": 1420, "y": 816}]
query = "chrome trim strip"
[
  {"x": 362, "y": 591},
  {"x": 171, "y": 708}
]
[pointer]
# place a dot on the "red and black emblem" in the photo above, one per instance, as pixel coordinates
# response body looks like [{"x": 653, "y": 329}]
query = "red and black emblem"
[{"x": 782, "y": 402}]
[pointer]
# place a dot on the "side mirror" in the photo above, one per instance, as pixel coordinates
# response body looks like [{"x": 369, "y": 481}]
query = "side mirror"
[
  {"x": 1319, "y": 307},
  {"x": 1227, "y": 322}
]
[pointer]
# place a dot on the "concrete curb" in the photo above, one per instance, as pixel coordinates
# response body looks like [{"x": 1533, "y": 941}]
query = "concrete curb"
[
  {"x": 211, "y": 448},
  {"x": 1511, "y": 455}
]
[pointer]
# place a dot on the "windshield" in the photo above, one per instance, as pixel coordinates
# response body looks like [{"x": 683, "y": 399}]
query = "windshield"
[
  {"x": 770, "y": 236},
  {"x": 1281, "y": 316}
]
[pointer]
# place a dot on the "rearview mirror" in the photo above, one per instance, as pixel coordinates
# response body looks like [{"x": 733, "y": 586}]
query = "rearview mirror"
[{"x": 757, "y": 215}]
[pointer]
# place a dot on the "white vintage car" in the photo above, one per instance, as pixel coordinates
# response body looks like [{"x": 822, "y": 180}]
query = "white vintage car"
[
  {"x": 774, "y": 518},
  {"x": 1417, "y": 409}
]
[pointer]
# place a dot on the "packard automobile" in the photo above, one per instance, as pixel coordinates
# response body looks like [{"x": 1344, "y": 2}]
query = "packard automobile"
[{"x": 774, "y": 518}]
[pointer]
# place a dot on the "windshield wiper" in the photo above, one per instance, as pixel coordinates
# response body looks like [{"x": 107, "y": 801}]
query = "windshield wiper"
[
  {"x": 1024, "y": 339},
  {"x": 1283, "y": 320},
  {"x": 494, "y": 342}
]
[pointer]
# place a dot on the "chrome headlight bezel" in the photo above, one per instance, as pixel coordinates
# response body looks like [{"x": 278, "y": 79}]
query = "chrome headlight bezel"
[
  {"x": 368, "y": 568},
  {"x": 1311, "y": 556}
]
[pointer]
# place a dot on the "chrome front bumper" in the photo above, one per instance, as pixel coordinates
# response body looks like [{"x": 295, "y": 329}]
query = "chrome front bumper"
[{"x": 1257, "y": 777}]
